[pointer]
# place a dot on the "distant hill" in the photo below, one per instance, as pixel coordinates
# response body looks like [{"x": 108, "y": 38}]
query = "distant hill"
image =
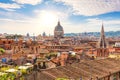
[{"x": 96, "y": 34}]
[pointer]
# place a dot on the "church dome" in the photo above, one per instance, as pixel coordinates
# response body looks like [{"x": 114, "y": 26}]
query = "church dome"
[
  {"x": 58, "y": 27},
  {"x": 58, "y": 31}
]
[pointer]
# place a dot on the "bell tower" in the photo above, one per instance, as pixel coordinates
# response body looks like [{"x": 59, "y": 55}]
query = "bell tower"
[{"x": 102, "y": 50}]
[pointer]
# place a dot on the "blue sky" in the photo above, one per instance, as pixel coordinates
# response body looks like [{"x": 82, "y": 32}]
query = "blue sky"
[{"x": 38, "y": 16}]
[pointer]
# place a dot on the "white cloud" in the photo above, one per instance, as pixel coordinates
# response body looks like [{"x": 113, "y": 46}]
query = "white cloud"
[
  {"x": 15, "y": 20},
  {"x": 13, "y": 15},
  {"x": 35, "y": 25},
  {"x": 20, "y": 26},
  {"x": 96, "y": 21},
  {"x": 32, "y": 2},
  {"x": 92, "y": 7},
  {"x": 46, "y": 20},
  {"x": 59, "y": 15},
  {"x": 43, "y": 21},
  {"x": 9, "y": 6},
  {"x": 92, "y": 25}
]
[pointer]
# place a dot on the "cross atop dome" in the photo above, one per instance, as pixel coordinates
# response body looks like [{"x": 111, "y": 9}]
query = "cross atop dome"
[{"x": 58, "y": 22}]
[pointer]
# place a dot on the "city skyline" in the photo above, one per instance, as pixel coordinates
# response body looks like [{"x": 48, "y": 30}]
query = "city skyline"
[{"x": 38, "y": 16}]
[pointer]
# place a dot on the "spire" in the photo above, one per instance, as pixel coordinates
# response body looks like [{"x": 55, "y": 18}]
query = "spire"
[
  {"x": 102, "y": 30},
  {"x": 102, "y": 41}
]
